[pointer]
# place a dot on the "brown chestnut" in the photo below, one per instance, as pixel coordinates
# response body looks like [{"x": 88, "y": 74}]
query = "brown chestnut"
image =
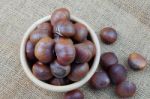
[
  {"x": 57, "y": 81},
  {"x": 64, "y": 28},
  {"x": 78, "y": 71},
  {"x": 81, "y": 32},
  {"x": 108, "y": 35},
  {"x": 45, "y": 26},
  {"x": 83, "y": 53},
  {"x": 108, "y": 59},
  {"x": 44, "y": 50},
  {"x": 38, "y": 34},
  {"x": 41, "y": 71},
  {"x": 91, "y": 46},
  {"x": 117, "y": 73},
  {"x": 137, "y": 61},
  {"x": 30, "y": 50},
  {"x": 99, "y": 80},
  {"x": 60, "y": 14},
  {"x": 58, "y": 70},
  {"x": 65, "y": 51},
  {"x": 125, "y": 89},
  {"x": 75, "y": 94}
]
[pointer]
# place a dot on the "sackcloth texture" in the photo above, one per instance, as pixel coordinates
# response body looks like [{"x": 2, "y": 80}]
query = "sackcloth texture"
[{"x": 131, "y": 18}]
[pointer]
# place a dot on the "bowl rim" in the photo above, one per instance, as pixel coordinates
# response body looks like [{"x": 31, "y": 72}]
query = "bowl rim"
[{"x": 64, "y": 88}]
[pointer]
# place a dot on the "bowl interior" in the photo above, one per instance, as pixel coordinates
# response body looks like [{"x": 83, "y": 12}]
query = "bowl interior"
[{"x": 65, "y": 87}]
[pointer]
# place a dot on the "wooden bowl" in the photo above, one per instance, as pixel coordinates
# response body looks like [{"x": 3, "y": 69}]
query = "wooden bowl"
[{"x": 65, "y": 87}]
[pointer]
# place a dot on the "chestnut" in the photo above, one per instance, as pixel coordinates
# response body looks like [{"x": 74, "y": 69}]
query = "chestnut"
[
  {"x": 44, "y": 50},
  {"x": 108, "y": 59},
  {"x": 38, "y": 34},
  {"x": 30, "y": 50},
  {"x": 81, "y": 32},
  {"x": 45, "y": 26},
  {"x": 64, "y": 28},
  {"x": 65, "y": 51},
  {"x": 41, "y": 71},
  {"x": 125, "y": 89},
  {"x": 57, "y": 81},
  {"x": 58, "y": 70},
  {"x": 60, "y": 14},
  {"x": 78, "y": 71},
  {"x": 75, "y": 94},
  {"x": 117, "y": 73},
  {"x": 99, "y": 80},
  {"x": 83, "y": 53},
  {"x": 108, "y": 35},
  {"x": 136, "y": 61},
  {"x": 91, "y": 46}
]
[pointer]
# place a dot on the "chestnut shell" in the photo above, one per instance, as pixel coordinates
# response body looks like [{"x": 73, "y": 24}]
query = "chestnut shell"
[
  {"x": 137, "y": 61},
  {"x": 60, "y": 14},
  {"x": 44, "y": 50},
  {"x": 75, "y": 94},
  {"x": 108, "y": 35},
  {"x": 125, "y": 89},
  {"x": 41, "y": 71}
]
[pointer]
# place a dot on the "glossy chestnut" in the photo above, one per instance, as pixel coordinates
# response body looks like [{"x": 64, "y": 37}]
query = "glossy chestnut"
[
  {"x": 65, "y": 51},
  {"x": 45, "y": 26},
  {"x": 75, "y": 94},
  {"x": 99, "y": 80},
  {"x": 38, "y": 34},
  {"x": 57, "y": 81},
  {"x": 64, "y": 28},
  {"x": 81, "y": 32},
  {"x": 125, "y": 89},
  {"x": 117, "y": 73},
  {"x": 30, "y": 50},
  {"x": 108, "y": 35},
  {"x": 137, "y": 61},
  {"x": 91, "y": 46},
  {"x": 44, "y": 50},
  {"x": 83, "y": 53},
  {"x": 60, "y": 14},
  {"x": 108, "y": 59},
  {"x": 41, "y": 71},
  {"x": 78, "y": 71},
  {"x": 58, "y": 70}
]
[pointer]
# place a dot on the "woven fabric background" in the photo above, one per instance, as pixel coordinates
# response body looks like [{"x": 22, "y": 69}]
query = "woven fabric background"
[{"x": 131, "y": 18}]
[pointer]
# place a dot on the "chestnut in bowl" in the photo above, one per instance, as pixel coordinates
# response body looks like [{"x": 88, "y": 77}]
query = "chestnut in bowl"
[{"x": 63, "y": 88}]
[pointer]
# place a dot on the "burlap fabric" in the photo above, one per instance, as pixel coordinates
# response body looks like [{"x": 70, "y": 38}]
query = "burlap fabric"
[{"x": 131, "y": 18}]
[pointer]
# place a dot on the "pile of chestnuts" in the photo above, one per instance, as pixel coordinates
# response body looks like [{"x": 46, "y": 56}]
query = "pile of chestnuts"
[
  {"x": 59, "y": 53},
  {"x": 112, "y": 72}
]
